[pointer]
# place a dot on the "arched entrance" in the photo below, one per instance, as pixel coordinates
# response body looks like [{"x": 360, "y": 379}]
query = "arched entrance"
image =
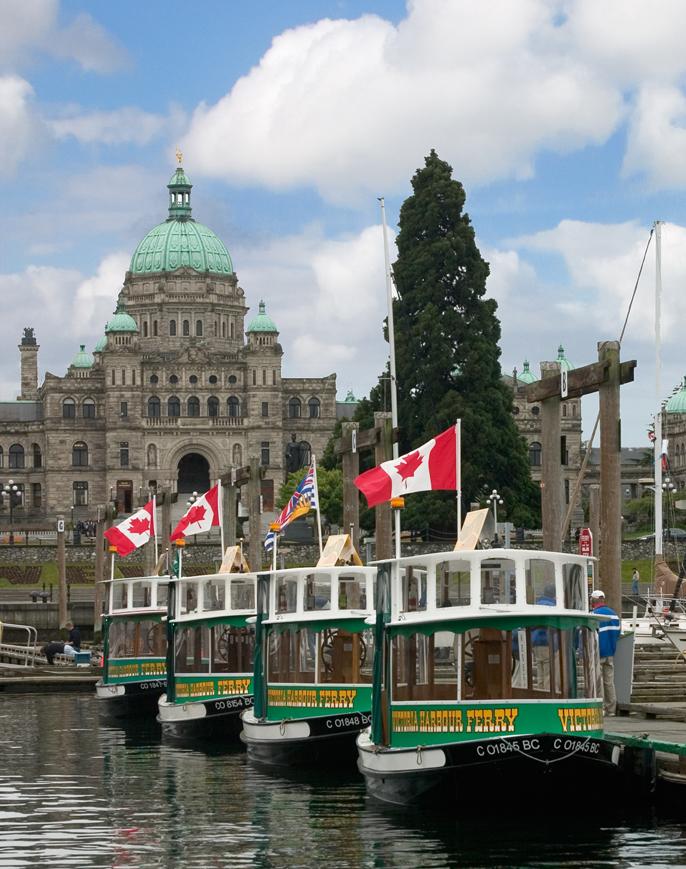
[{"x": 194, "y": 473}]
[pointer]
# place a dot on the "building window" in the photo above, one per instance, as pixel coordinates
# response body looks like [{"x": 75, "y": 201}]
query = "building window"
[
  {"x": 123, "y": 377},
  {"x": 198, "y": 328},
  {"x": 69, "y": 408},
  {"x": 80, "y": 494},
  {"x": 133, "y": 376},
  {"x": 564, "y": 455},
  {"x": 193, "y": 379},
  {"x": 233, "y": 379},
  {"x": 314, "y": 408},
  {"x": 88, "y": 409},
  {"x": 186, "y": 328},
  {"x": 36, "y": 494},
  {"x": 37, "y": 457},
  {"x": 265, "y": 408},
  {"x": 564, "y": 410},
  {"x": 535, "y": 410},
  {"x": 264, "y": 453},
  {"x": 535, "y": 454},
  {"x": 2, "y": 458},
  {"x": 573, "y": 410},
  {"x": 154, "y": 328},
  {"x": 79, "y": 455},
  {"x": 212, "y": 379},
  {"x": 124, "y": 454},
  {"x": 254, "y": 377},
  {"x": 294, "y": 408},
  {"x": 213, "y": 406},
  {"x": 172, "y": 328},
  {"x": 274, "y": 377},
  {"x": 193, "y": 406},
  {"x": 16, "y": 456},
  {"x": 123, "y": 408},
  {"x": 264, "y": 377},
  {"x": 145, "y": 328},
  {"x": 154, "y": 407},
  {"x": 154, "y": 379},
  {"x": 173, "y": 378},
  {"x": 566, "y": 491},
  {"x": 232, "y": 331},
  {"x": 223, "y": 330},
  {"x": 234, "y": 407},
  {"x": 173, "y": 406}
]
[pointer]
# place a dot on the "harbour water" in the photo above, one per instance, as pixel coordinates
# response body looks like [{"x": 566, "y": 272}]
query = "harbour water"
[{"x": 77, "y": 793}]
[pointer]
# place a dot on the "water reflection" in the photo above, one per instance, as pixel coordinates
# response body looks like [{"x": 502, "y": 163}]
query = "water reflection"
[{"x": 74, "y": 791}]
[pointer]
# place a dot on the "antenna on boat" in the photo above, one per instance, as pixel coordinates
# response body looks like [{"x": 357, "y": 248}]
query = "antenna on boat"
[
  {"x": 391, "y": 344},
  {"x": 658, "y": 390}
]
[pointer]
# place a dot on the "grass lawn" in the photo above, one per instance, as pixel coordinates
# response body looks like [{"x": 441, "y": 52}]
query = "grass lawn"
[{"x": 645, "y": 570}]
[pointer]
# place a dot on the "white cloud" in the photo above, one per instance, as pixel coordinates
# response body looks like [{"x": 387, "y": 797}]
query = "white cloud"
[
  {"x": 95, "y": 297},
  {"x": 124, "y": 125},
  {"x": 86, "y": 42},
  {"x": 328, "y": 299},
  {"x": 19, "y": 126},
  {"x": 657, "y": 136},
  {"x": 25, "y": 25}
]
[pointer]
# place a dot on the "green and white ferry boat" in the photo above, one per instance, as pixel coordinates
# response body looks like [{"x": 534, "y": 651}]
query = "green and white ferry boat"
[
  {"x": 313, "y": 664},
  {"x": 211, "y": 655},
  {"x": 135, "y": 646},
  {"x": 486, "y": 679}
]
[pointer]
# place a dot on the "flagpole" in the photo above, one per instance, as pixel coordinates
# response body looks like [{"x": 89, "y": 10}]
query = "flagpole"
[
  {"x": 316, "y": 496},
  {"x": 458, "y": 473},
  {"x": 220, "y": 505},
  {"x": 276, "y": 537},
  {"x": 391, "y": 345},
  {"x": 154, "y": 519}
]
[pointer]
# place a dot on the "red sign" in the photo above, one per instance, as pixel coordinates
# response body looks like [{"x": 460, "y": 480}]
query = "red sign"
[{"x": 586, "y": 542}]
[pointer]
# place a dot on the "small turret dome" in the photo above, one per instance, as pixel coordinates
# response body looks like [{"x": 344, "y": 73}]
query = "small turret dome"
[
  {"x": 565, "y": 364},
  {"x": 82, "y": 359},
  {"x": 101, "y": 345},
  {"x": 527, "y": 376},
  {"x": 262, "y": 322},
  {"x": 121, "y": 321},
  {"x": 677, "y": 403},
  {"x": 350, "y": 398}
]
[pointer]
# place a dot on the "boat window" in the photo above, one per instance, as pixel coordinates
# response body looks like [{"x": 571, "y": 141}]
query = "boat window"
[
  {"x": 213, "y": 595},
  {"x": 292, "y": 656},
  {"x": 162, "y": 594},
  {"x": 189, "y": 597},
  {"x": 139, "y": 639},
  {"x": 192, "y": 649},
  {"x": 352, "y": 592},
  {"x": 540, "y": 582},
  {"x": 452, "y": 584},
  {"x": 242, "y": 594},
  {"x": 345, "y": 658},
  {"x": 498, "y": 581},
  {"x": 233, "y": 649},
  {"x": 119, "y": 596},
  {"x": 318, "y": 592},
  {"x": 142, "y": 594},
  {"x": 574, "y": 585},
  {"x": 413, "y": 580},
  {"x": 425, "y": 668},
  {"x": 286, "y": 594}
]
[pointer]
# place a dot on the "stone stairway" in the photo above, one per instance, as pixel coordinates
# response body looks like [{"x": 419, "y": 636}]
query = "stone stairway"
[{"x": 659, "y": 675}]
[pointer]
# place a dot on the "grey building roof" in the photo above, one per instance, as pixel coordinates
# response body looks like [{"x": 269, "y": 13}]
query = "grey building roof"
[
  {"x": 629, "y": 456},
  {"x": 20, "y": 411},
  {"x": 345, "y": 409}
]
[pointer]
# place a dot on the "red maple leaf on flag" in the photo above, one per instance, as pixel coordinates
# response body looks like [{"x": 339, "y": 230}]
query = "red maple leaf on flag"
[
  {"x": 138, "y": 525},
  {"x": 195, "y": 514},
  {"x": 408, "y": 465}
]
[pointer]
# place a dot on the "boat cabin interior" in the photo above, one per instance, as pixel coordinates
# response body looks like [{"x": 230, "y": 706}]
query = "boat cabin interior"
[{"x": 136, "y": 609}]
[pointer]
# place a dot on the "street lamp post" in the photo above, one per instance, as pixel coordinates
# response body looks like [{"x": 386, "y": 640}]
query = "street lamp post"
[
  {"x": 189, "y": 503},
  {"x": 495, "y": 499},
  {"x": 11, "y": 492}
]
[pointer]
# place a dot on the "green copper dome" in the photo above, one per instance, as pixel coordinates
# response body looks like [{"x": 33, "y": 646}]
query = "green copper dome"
[
  {"x": 101, "y": 345},
  {"x": 677, "y": 403},
  {"x": 82, "y": 359},
  {"x": 121, "y": 321},
  {"x": 181, "y": 242},
  {"x": 262, "y": 323},
  {"x": 565, "y": 364},
  {"x": 350, "y": 398},
  {"x": 526, "y": 376}
]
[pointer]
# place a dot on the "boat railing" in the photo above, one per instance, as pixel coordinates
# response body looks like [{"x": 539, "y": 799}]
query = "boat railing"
[
  {"x": 21, "y": 654},
  {"x": 215, "y": 594}
]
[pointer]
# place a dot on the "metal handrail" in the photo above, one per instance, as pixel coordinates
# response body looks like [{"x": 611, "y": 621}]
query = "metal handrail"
[{"x": 29, "y": 651}]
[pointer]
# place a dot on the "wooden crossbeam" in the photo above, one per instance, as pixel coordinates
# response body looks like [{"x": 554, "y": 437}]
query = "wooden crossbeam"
[
  {"x": 580, "y": 381},
  {"x": 367, "y": 439}
]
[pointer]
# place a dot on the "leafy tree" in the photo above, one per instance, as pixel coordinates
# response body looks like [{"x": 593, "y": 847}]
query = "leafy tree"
[
  {"x": 329, "y": 486},
  {"x": 447, "y": 354}
]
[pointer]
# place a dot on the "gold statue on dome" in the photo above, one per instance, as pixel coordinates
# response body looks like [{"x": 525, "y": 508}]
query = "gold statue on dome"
[{"x": 179, "y": 156}]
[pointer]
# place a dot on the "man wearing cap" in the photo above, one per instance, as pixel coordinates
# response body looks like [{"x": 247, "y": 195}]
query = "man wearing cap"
[{"x": 608, "y": 634}]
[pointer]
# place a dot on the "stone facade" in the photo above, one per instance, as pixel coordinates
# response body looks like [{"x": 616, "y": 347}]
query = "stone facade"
[{"x": 176, "y": 393}]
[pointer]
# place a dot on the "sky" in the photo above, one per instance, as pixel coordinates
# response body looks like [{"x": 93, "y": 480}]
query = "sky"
[{"x": 564, "y": 119}]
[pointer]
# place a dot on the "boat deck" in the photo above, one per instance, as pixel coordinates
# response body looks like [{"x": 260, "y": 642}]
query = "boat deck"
[{"x": 657, "y": 728}]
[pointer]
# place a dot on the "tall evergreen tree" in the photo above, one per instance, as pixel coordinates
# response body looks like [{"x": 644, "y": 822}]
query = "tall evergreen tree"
[{"x": 446, "y": 340}]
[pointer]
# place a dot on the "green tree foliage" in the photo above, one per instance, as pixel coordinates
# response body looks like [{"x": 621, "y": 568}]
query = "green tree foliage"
[
  {"x": 329, "y": 486},
  {"x": 447, "y": 354}
]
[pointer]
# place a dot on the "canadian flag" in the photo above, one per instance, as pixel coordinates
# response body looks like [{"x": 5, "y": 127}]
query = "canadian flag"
[
  {"x": 135, "y": 531},
  {"x": 431, "y": 466},
  {"x": 200, "y": 516}
]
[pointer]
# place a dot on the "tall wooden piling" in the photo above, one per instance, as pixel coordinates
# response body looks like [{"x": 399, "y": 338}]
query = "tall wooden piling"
[{"x": 610, "y": 568}]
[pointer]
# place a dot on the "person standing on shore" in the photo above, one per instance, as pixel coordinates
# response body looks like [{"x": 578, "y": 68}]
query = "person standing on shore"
[
  {"x": 634, "y": 582},
  {"x": 608, "y": 635}
]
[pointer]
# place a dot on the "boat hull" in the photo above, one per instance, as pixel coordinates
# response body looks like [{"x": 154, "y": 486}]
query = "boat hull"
[
  {"x": 567, "y": 767},
  {"x": 129, "y": 699},
  {"x": 328, "y": 739},
  {"x": 203, "y": 719}
]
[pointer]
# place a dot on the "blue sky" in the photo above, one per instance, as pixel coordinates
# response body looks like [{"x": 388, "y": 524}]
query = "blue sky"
[{"x": 564, "y": 119}]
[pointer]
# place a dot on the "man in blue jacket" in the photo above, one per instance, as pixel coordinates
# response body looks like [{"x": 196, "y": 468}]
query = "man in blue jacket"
[{"x": 608, "y": 635}]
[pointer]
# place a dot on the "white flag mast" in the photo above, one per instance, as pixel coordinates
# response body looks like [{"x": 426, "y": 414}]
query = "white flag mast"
[
  {"x": 658, "y": 390},
  {"x": 391, "y": 345}
]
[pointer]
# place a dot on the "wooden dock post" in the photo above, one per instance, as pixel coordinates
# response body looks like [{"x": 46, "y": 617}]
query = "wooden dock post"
[
  {"x": 384, "y": 519},
  {"x": 61, "y": 574},
  {"x": 610, "y": 566},
  {"x": 351, "y": 497},
  {"x": 551, "y": 465},
  {"x": 594, "y": 516},
  {"x": 255, "y": 544},
  {"x": 229, "y": 496},
  {"x": 99, "y": 593}
]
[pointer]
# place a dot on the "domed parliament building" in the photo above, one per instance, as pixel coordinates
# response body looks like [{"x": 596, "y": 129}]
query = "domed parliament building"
[{"x": 175, "y": 393}]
